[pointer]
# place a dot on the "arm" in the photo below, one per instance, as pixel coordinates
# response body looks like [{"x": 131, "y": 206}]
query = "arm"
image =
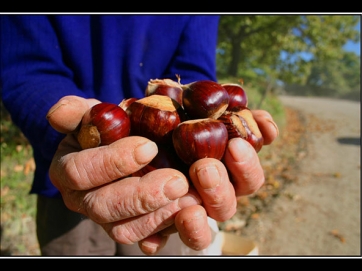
[
  {"x": 33, "y": 77},
  {"x": 195, "y": 58}
]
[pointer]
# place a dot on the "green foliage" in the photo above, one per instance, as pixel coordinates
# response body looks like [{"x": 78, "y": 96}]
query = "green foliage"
[
  {"x": 305, "y": 50},
  {"x": 17, "y": 169},
  {"x": 345, "y": 77}
]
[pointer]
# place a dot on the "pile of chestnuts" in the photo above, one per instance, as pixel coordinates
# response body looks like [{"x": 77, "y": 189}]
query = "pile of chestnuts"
[{"x": 187, "y": 122}]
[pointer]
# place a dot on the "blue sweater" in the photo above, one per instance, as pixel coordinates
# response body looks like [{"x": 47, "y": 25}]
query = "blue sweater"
[{"x": 44, "y": 58}]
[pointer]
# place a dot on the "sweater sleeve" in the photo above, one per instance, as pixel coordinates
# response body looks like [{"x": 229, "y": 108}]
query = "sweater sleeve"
[
  {"x": 196, "y": 53},
  {"x": 46, "y": 58},
  {"x": 33, "y": 78}
]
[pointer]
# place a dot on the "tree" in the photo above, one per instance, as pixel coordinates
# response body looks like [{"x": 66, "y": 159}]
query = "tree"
[
  {"x": 338, "y": 77},
  {"x": 249, "y": 39},
  {"x": 285, "y": 48}
]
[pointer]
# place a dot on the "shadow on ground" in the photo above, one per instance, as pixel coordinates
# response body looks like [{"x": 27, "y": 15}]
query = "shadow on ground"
[{"x": 349, "y": 140}]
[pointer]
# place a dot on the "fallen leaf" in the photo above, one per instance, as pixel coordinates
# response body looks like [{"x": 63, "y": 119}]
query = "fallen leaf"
[
  {"x": 18, "y": 168},
  {"x": 29, "y": 166},
  {"x": 19, "y": 148},
  {"x": 4, "y": 191},
  {"x": 336, "y": 234},
  {"x": 337, "y": 175}
]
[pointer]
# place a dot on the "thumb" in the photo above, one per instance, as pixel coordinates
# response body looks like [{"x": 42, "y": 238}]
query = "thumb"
[{"x": 67, "y": 113}]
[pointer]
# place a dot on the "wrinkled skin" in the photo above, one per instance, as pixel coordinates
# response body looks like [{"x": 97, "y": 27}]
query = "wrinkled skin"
[{"x": 96, "y": 183}]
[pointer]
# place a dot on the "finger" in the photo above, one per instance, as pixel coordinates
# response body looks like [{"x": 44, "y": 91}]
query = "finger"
[
  {"x": 244, "y": 167},
  {"x": 210, "y": 178},
  {"x": 132, "y": 230},
  {"x": 67, "y": 113},
  {"x": 139, "y": 195},
  {"x": 169, "y": 230},
  {"x": 193, "y": 227},
  {"x": 267, "y": 126},
  {"x": 151, "y": 245},
  {"x": 86, "y": 169},
  {"x": 129, "y": 197}
]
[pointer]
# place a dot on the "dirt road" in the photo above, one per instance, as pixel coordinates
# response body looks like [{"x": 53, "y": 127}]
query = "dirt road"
[{"x": 320, "y": 213}]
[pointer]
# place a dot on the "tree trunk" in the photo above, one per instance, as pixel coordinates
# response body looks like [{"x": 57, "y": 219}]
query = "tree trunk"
[{"x": 235, "y": 58}]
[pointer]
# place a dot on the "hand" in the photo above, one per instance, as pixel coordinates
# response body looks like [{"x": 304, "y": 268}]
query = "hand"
[
  {"x": 95, "y": 192},
  {"x": 219, "y": 183},
  {"x": 95, "y": 182}
]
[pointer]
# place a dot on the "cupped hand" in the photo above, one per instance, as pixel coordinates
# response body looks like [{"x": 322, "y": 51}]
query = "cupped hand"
[
  {"x": 220, "y": 183},
  {"x": 97, "y": 183}
]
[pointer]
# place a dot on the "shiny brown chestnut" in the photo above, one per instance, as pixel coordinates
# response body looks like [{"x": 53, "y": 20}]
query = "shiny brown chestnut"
[
  {"x": 242, "y": 124},
  {"x": 237, "y": 96},
  {"x": 200, "y": 138},
  {"x": 204, "y": 99},
  {"x": 103, "y": 124},
  {"x": 155, "y": 117},
  {"x": 165, "y": 87}
]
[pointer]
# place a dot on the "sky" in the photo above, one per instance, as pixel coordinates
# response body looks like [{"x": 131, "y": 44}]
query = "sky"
[{"x": 354, "y": 47}]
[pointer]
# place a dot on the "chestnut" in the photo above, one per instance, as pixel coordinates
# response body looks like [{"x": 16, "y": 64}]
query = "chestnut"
[
  {"x": 237, "y": 96},
  {"x": 155, "y": 117},
  {"x": 204, "y": 99},
  {"x": 124, "y": 104},
  {"x": 165, "y": 87},
  {"x": 200, "y": 138},
  {"x": 103, "y": 124},
  {"x": 242, "y": 124}
]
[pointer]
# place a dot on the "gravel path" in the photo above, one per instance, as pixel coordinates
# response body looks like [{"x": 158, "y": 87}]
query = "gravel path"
[{"x": 319, "y": 214}]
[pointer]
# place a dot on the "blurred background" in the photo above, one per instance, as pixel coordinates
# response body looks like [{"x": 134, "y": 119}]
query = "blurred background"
[
  {"x": 270, "y": 55},
  {"x": 301, "y": 55}
]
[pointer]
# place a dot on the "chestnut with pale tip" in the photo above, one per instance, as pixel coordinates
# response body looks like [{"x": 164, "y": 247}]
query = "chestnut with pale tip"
[
  {"x": 155, "y": 117},
  {"x": 125, "y": 103},
  {"x": 242, "y": 124},
  {"x": 200, "y": 138},
  {"x": 165, "y": 87},
  {"x": 103, "y": 124},
  {"x": 204, "y": 99}
]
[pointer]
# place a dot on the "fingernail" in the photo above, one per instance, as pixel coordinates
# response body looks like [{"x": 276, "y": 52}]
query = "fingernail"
[
  {"x": 209, "y": 176},
  {"x": 275, "y": 126},
  {"x": 55, "y": 108},
  {"x": 175, "y": 188},
  {"x": 145, "y": 152},
  {"x": 149, "y": 248},
  {"x": 239, "y": 149}
]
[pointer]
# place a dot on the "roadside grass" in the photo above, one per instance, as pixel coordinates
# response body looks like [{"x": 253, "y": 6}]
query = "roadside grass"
[{"x": 18, "y": 207}]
